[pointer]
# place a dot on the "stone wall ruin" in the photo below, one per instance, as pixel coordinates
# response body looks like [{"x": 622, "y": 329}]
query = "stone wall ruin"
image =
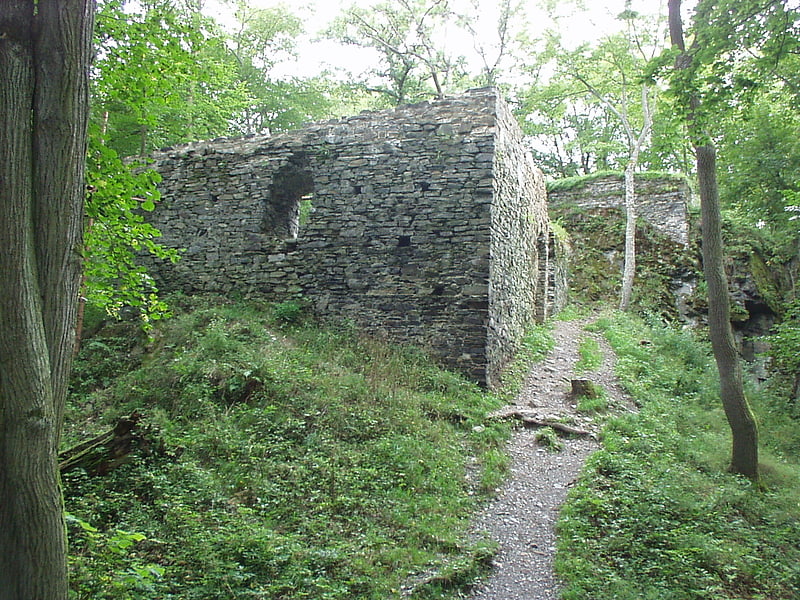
[{"x": 423, "y": 222}]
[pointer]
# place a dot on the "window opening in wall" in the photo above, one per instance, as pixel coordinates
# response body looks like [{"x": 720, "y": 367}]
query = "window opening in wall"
[
  {"x": 404, "y": 241},
  {"x": 306, "y": 208},
  {"x": 288, "y": 204}
]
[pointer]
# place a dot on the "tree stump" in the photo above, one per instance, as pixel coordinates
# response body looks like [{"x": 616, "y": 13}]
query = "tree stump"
[
  {"x": 584, "y": 388},
  {"x": 105, "y": 452}
]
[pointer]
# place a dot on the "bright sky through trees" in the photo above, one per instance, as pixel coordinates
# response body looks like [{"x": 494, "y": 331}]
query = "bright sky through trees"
[{"x": 578, "y": 21}]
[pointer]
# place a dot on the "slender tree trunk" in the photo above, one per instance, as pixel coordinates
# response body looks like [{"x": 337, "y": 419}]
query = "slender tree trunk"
[
  {"x": 45, "y": 49},
  {"x": 104, "y": 128},
  {"x": 437, "y": 84},
  {"x": 629, "y": 272},
  {"x": 635, "y": 144},
  {"x": 142, "y": 140},
  {"x": 744, "y": 455}
]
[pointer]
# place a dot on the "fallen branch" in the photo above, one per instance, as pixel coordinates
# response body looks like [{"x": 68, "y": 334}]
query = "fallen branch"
[
  {"x": 104, "y": 452},
  {"x": 529, "y": 422},
  {"x": 530, "y": 419}
]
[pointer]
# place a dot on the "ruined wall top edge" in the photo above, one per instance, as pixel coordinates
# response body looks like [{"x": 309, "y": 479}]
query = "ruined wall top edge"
[{"x": 430, "y": 112}]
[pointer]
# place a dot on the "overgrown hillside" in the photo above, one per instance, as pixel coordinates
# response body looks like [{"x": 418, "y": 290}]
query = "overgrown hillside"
[
  {"x": 655, "y": 515},
  {"x": 279, "y": 459},
  {"x": 596, "y": 268}
]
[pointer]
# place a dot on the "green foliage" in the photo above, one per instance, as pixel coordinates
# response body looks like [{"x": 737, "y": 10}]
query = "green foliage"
[
  {"x": 117, "y": 232},
  {"x": 766, "y": 252},
  {"x": 290, "y": 312},
  {"x": 784, "y": 349},
  {"x": 548, "y": 438},
  {"x": 602, "y": 233},
  {"x": 162, "y": 76},
  {"x": 739, "y": 48},
  {"x": 654, "y": 514},
  {"x": 590, "y": 355},
  {"x": 571, "y": 183},
  {"x": 103, "y": 360},
  {"x": 561, "y": 234},
  {"x": 300, "y": 462},
  {"x": 495, "y": 470},
  {"x": 536, "y": 345},
  {"x": 573, "y": 311},
  {"x": 167, "y": 74},
  {"x": 591, "y": 114},
  {"x": 760, "y": 154},
  {"x": 594, "y": 403},
  {"x": 264, "y": 38},
  {"x": 538, "y": 342},
  {"x": 452, "y": 575},
  {"x": 414, "y": 65},
  {"x": 106, "y": 565}
]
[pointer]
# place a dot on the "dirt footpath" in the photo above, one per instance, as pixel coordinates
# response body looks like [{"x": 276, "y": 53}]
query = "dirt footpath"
[{"x": 523, "y": 515}]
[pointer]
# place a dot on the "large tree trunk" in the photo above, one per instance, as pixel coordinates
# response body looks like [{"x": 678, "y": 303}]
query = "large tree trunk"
[
  {"x": 744, "y": 457},
  {"x": 45, "y": 50}
]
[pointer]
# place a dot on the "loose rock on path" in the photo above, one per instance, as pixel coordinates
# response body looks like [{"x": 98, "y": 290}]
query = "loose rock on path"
[{"x": 523, "y": 515}]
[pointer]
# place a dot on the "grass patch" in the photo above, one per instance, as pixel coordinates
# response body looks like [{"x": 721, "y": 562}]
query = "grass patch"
[
  {"x": 573, "y": 312},
  {"x": 536, "y": 345},
  {"x": 655, "y": 514},
  {"x": 571, "y": 183},
  {"x": 590, "y": 355},
  {"x": 295, "y": 462},
  {"x": 548, "y": 438},
  {"x": 593, "y": 404}
]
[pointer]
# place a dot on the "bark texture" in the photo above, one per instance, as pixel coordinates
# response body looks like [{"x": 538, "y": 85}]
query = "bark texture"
[
  {"x": 629, "y": 270},
  {"x": 45, "y": 50},
  {"x": 744, "y": 456}
]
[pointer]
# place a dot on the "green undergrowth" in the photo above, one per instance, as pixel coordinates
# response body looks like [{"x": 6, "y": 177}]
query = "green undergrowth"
[
  {"x": 536, "y": 345},
  {"x": 596, "y": 267},
  {"x": 284, "y": 460},
  {"x": 655, "y": 514},
  {"x": 570, "y": 183},
  {"x": 590, "y": 355}
]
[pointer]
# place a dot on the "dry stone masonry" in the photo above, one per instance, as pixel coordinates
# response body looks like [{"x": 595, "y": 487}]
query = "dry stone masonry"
[
  {"x": 427, "y": 223},
  {"x": 661, "y": 201}
]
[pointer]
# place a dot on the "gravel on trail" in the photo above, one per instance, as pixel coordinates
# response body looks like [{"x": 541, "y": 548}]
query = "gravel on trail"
[{"x": 522, "y": 516}]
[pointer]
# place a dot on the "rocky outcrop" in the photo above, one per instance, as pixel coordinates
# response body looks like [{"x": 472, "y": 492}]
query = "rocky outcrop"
[{"x": 662, "y": 201}]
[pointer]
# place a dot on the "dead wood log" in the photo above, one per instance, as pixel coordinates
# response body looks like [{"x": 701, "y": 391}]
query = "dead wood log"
[
  {"x": 530, "y": 419},
  {"x": 105, "y": 452},
  {"x": 529, "y": 422}
]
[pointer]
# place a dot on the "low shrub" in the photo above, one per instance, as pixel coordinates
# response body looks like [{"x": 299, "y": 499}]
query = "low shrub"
[{"x": 300, "y": 462}]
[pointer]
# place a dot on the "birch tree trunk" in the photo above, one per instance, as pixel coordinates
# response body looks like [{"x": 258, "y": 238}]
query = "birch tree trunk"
[
  {"x": 45, "y": 51},
  {"x": 635, "y": 145},
  {"x": 629, "y": 270}
]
